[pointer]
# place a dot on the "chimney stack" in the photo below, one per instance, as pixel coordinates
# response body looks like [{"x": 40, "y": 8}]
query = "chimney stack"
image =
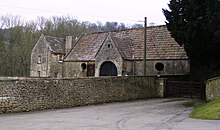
[{"x": 68, "y": 45}]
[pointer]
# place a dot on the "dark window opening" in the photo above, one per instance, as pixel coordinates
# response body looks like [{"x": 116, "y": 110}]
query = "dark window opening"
[
  {"x": 38, "y": 72},
  {"x": 109, "y": 45},
  {"x": 39, "y": 60},
  {"x": 159, "y": 66},
  {"x": 56, "y": 75},
  {"x": 83, "y": 66}
]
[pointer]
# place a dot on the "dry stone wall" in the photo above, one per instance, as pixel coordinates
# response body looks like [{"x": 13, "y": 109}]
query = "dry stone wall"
[
  {"x": 213, "y": 89},
  {"x": 30, "y": 94}
]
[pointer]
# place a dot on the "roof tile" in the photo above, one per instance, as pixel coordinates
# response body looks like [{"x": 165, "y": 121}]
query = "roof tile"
[
  {"x": 130, "y": 43},
  {"x": 57, "y": 45},
  {"x": 87, "y": 47}
]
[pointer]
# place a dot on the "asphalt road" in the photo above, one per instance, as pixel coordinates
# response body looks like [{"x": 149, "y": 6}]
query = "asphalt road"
[{"x": 153, "y": 114}]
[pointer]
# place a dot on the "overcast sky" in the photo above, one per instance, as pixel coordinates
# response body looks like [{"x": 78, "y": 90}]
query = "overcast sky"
[{"x": 126, "y": 11}]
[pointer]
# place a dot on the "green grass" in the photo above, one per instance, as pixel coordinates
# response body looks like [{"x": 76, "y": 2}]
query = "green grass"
[{"x": 208, "y": 111}]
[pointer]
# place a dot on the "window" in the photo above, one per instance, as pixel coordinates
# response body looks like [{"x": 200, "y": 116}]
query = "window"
[
  {"x": 38, "y": 72},
  {"x": 60, "y": 58},
  {"x": 56, "y": 75},
  {"x": 159, "y": 66},
  {"x": 39, "y": 60},
  {"x": 83, "y": 66},
  {"x": 109, "y": 45},
  {"x": 91, "y": 70}
]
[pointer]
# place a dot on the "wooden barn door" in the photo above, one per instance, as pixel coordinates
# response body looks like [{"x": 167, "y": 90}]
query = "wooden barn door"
[
  {"x": 91, "y": 70},
  {"x": 108, "y": 69}
]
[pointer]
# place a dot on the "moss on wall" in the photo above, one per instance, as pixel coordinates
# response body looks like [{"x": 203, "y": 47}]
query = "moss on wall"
[{"x": 213, "y": 89}]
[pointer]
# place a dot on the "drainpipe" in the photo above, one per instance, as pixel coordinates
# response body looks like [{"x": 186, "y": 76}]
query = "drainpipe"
[
  {"x": 133, "y": 64},
  {"x": 145, "y": 43}
]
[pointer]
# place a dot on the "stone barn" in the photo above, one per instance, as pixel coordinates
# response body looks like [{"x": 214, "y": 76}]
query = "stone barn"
[
  {"x": 115, "y": 53},
  {"x": 120, "y": 53}
]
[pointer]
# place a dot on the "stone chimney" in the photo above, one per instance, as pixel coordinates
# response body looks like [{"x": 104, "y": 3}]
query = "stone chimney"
[{"x": 68, "y": 45}]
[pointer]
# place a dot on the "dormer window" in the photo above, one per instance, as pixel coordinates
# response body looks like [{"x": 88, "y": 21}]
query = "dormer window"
[{"x": 39, "y": 60}]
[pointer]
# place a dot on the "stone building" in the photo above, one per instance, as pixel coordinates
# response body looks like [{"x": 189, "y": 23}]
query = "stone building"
[
  {"x": 47, "y": 56},
  {"x": 121, "y": 52}
]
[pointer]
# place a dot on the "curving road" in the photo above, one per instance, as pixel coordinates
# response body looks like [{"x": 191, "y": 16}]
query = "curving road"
[{"x": 153, "y": 114}]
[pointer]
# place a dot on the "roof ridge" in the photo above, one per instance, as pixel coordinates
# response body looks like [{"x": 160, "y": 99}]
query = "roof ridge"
[
  {"x": 54, "y": 37},
  {"x": 127, "y": 29},
  {"x": 129, "y": 43}
]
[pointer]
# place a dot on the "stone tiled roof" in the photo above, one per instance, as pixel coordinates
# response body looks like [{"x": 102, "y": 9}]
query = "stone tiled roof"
[
  {"x": 124, "y": 47},
  {"x": 160, "y": 44},
  {"x": 130, "y": 43},
  {"x": 57, "y": 45},
  {"x": 86, "y": 47}
]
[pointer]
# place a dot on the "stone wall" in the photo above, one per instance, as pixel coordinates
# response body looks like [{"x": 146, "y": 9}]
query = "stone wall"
[
  {"x": 108, "y": 52},
  {"x": 30, "y": 94},
  {"x": 171, "y": 67},
  {"x": 213, "y": 89},
  {"x": 70, "y": 69},
  {"x": 56, "y": 66},
  {"x": 74, "y": 69},
  {"x": 40, "y": 59},
  {"x": 128, "y": 67}
]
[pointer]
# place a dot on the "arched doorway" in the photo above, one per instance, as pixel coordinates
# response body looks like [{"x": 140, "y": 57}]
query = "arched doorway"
[{"x": 108, "y": 69}]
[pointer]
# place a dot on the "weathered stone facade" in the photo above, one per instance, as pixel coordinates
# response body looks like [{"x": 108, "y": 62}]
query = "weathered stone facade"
[
  {"x": 30, "y": 94},
  {"x": 56, "y": 66},
  {"x": 171, "y": 67},
  {"x": 74, "y": 69},
  {"x": 128, "y": 68},
  {"x": 40, "y": 60},
  {"x": 108, "y": 52},
  {"x": 45, "y": 60}
]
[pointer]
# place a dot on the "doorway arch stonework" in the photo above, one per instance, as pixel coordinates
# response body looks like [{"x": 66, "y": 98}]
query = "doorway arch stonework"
[
  {"x": 108, "y": 68},
  {"x": 117, "y": 65}
]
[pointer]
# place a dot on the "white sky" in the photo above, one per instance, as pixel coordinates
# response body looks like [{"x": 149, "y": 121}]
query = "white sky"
[{"x": 126, "y": 11}]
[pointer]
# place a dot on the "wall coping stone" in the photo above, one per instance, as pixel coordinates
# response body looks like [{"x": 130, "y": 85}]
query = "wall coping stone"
[
  {"x": 71, "y": 78},
  {"x": 215, "y": 78}
]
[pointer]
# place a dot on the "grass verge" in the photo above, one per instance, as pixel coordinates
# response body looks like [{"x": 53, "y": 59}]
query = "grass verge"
[{"x": 208, "y": 111}]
